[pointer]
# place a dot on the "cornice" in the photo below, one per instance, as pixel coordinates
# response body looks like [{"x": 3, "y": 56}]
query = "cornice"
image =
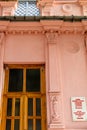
[{"x": 44, "y": 27}]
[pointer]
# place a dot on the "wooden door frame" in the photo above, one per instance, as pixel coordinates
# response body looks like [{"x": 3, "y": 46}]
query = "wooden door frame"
[{"x": 5, "y": 93}]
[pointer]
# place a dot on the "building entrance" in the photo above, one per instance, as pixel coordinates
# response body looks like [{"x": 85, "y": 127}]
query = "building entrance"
[{"x": 24, "y": 98}]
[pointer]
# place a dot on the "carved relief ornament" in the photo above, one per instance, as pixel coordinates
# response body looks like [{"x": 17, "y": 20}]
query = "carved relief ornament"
[{"x": 56, "y": 107}]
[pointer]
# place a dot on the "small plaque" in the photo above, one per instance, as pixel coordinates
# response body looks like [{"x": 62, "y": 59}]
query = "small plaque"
[{"x": 79, "y": 112}]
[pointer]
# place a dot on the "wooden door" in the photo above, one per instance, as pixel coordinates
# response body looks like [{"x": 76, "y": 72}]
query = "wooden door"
[{"x": 24, "y": 103}]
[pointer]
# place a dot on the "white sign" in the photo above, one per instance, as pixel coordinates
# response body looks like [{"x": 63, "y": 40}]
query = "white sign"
[{"x": 79, "y": 112}]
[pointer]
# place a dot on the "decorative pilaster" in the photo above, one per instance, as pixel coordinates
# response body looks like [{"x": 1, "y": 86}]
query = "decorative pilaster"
[
  {"x": 53, "y": 65},
  {"x": 8, "y": 8},
  {"x": 54, "y": 89},
  {"x": 83, "y": 3},
  {"x": 45, "y": 6}
]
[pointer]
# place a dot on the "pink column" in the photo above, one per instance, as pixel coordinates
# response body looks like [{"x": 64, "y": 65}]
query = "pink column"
[{"x": 54, "y": 88}]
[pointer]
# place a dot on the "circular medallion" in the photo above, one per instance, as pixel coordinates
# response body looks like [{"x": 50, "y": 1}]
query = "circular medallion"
[
  {"x": 72, "y": 47},
  {"x": 67, "y": 8}
]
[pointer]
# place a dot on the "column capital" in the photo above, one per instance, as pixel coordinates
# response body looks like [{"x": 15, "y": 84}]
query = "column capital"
[{"x": 51, "y": 37}]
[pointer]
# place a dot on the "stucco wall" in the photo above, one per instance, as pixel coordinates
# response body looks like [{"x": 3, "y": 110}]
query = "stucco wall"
[
  {"x": 74, "y": 74},
  {"x": 65, "y": 59},
  {"x": 71, "y": 57},
  {"x": 24, "y": 49}
]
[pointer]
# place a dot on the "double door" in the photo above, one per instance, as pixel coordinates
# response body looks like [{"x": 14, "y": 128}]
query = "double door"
[{"x": 24, "y": 103}]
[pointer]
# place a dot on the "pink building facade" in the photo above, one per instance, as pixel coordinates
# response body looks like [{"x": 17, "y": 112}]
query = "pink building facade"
[{"x": 59, "y": 42}]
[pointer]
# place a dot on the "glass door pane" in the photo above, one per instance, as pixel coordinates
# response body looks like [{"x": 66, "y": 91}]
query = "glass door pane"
[
  {"x": 15, "y": 80},
  {"x": 17, "y": 124},
  {"x": 38, "y": 106},
  {"x": 30, "y": 106},
  {"x": 8, "y": 124},
  {"x": 16, "y": 114},
  {"x": 30, "y": 124},
  {"x": 9, "y": 107},
  {"x": 33, "y": 80},
  {"x": 9, "y": 113},
  {"x": 34, "y": 112},
  {"x": 17, "y": 107},
  {"x": 38, "y": 124},
  {"x": 13, "y": 114}
]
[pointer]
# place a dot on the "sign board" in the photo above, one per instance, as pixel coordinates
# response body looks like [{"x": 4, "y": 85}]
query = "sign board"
[{"x": 79, "y": 112}]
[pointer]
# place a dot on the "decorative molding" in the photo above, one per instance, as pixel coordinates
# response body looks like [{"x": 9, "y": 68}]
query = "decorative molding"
[
  {"x": 51, "y": 37},
  {"x": 22, "y": 32},
  {"x": 50, "y": 29},
  {"x": 56, "y": 113}
]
